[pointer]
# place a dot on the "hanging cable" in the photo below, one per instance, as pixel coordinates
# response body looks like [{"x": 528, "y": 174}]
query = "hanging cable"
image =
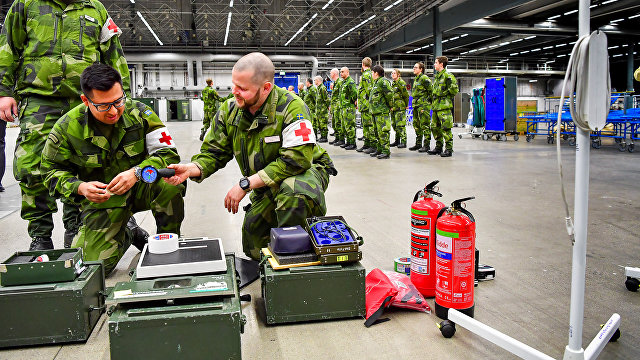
[{"x": 577, "y": 70}]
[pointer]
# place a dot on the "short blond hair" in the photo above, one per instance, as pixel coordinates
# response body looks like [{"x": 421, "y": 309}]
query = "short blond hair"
[
  {"x": 209, "y": 81},
  {"x": 367, "y": 62}
]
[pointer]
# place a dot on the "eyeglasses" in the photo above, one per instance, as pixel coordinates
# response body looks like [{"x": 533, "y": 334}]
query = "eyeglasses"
[{"x": 107, "y": 106}]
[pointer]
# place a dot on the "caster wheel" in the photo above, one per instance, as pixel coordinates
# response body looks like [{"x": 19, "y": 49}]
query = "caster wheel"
[
  {"x": 572, "y": 141},
  {"x": 617, "y": 140},
  {"x": 550, "y": 140},
  {"x": 622, "y": 146},
  {"x": 596, "y": 144},
  {"x": 503, "y": 137},
  {"x": 565, "y": 137},
  {"x": 632, "y": 284},
  {"x": 516, "y": 137},
  {"x": 528, "y": 138},
  {"x": 485, "y": 137},
  {"x": 630, "y": 148},
  {"x": 459, "y": 136},
  {"x": 447, "y": 328}
]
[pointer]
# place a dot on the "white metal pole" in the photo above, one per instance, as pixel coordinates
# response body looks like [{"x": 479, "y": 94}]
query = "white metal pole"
[{"x": 581, "y": 205}]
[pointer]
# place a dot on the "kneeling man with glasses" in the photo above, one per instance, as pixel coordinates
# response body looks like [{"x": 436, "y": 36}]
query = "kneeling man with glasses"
[{"x": 94, "y": 154}]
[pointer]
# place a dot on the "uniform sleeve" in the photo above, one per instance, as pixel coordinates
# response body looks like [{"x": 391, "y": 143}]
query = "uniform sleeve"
[
  {"x": 453, "y": 89},
  {"x": 404, "y": 94},
  {"x": 217, "y": 149},
  {"x": 215, "y": 95},
  {"x": 56, "y": 165},
  {"x": 112, "y": 54},
  {"x": 429, "y": 87},
  {"x": 161, "y": 154},
  {"x": 388, "y": 94},
  {"x": 12, "y": 38},
  {"x": 294, "y": 160},
  {"x": 353, "y": 91}
]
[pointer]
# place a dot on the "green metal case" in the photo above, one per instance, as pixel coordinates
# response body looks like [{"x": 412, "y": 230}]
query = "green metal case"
[
  {"x": 318, "y": 292},
  {"x": 21, "y": 269},
  {"x": 180, "y": 326},
  {"x": 52, "y": 313}
]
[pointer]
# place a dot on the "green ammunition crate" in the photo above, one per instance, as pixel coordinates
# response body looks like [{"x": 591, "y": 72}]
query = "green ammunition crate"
[
  {"x": 52, "y": 313},
  {"x": 318, "y": 292},
  {"x": 21, "y": 269},
  {"x": 180, "y": 328}
]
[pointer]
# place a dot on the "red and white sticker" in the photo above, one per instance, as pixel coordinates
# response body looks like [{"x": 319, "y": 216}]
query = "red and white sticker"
[
  {"x": 109, "y": 30},
  {"x": 298, "y": 133},
  {"x": 159, "y": 139}
]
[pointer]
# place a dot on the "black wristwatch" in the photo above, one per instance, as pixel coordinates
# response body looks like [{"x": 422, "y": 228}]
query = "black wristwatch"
[
  {"x": 245, "y": 184},
  {"x": 137, "y": 170}
]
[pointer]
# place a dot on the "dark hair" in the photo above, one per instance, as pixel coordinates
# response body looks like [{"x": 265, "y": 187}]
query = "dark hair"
[
  {"x": 309, "y": 81},
  {"x": 378, "y": 70},
  {"x": 443, "y": 60},
  {"x": 421, "y": 66},
  {"x": 99, "y": 77}
]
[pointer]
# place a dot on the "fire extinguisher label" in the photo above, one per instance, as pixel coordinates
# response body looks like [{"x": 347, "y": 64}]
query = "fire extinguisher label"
[
  {"x": 421, "y": 227},
  {"x": 420, "y": 265},
  {"x": 443, "y": 246}
]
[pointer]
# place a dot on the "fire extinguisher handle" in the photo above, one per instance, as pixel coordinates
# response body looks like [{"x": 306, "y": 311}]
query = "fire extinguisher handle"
[
  {"x": 466, "y": 212},
  {"x": 415, "y": 198}
]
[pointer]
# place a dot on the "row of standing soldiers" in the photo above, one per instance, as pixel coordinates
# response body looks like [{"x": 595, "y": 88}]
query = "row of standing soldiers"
[{"x": 382, "y": 104}]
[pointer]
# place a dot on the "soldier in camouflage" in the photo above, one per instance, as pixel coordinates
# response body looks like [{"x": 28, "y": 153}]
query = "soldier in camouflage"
[
  {"x": 211, "y": 101},
  {"x": 421, "y": 92},
  {"x": 269, "y": 133},
  {"x": 310, "y": 100},
  {"x": 381, "y": 102},
  {"x": 336, "y": 121},
  {"x": 95, "y": 154},
  {"x": 348, "y": 99},
  {"x": 398, "y": 112},
  {"x": 364, "y": 90},
  {"x": 322, "y": 109},
  {"x": 445, "y": 87},
  {"x": 301, "y": 92},
  {"x": 44, "y": 47}
]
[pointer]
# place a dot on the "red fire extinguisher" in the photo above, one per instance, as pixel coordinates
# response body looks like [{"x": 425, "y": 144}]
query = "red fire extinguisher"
[
  {"x": 455, "y": 259},
  {"x": 424, "y": 213}
]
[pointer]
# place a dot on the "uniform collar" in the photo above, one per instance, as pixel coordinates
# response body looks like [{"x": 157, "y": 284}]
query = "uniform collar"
[
  {"x": 119, "y": 128},
  {"x": 265, "y": 115}
]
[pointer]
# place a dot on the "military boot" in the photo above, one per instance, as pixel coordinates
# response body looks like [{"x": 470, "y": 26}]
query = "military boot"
[
  {"x": 446, "y": 153},
  {"x": 202, "y": 133},
  {"x": 363, "y": 148},
  {"x": 395, "y": 143},
  {"x": 402, "y": 145},
  {"x": 369, "y": 150},
  {"x": 339, "y": 143},
  {"x": 418, "y": 144},
  {"x": 140, "y": 236},
  {"x": 41, "y": 243},
  {"x": 424, "y": 148},
  {"x": 435, "y": 151},
  {"x": 69, "y": 234},
  {"x": 323, "y": 139},
  {"x": 350, "y": 147},
  {"x": 375, "y": 153}
]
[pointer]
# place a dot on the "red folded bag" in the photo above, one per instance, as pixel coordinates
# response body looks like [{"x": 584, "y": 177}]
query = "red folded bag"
[{"x": 379, "y": 291}]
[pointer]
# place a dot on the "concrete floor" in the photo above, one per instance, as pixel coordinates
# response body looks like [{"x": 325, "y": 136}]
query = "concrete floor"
[{"x": 520, "y": 231}]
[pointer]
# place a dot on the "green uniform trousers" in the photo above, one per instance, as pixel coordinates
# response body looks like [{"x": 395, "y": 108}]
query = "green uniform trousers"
[
  {"x": 206, "y": 121},
  {"x": 368, "y": 129},
  {"x": 399, "y": 121},
  {"x": 37, "y": 117},
  {"x": 441, "y": 127},
  {"x": 298, "y": 198},
  {"x": 104, "y": 234},
  {"x": 422, "y": 124},
  {"x": 322, "y": 120},
  {"x": 348, "y": 117},
  {"x": 336, "y": 123},
  {"x": 383, "y": 128}
]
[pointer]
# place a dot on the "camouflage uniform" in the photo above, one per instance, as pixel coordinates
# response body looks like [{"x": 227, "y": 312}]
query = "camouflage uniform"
[
  {"x": 310, "y": 100},
  {"x": 211, "y": 101},
  {"x": 445, "y": 87},
  {"x": 296, "y": 172},
  {"x": 76, "y": 151},
  {"x": 381, "y": 101},
  {"x": 368, "y": 128},
  {"x": 421, "y": 92},
  {"x": 302, "y": 93},
  {"x": 400, "y": 103},
  {"x": 322, "y": 110},
  {"x": 348, "y": 98},
  {"x": 336, "y": 111},
  {"x": 44, "y": 47}
]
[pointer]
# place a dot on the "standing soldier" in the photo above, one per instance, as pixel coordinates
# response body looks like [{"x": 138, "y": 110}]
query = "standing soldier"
[
  {"x": 381, "y": 100},
  {"x": 445, "y": 87},
  {"x": 301, "y": 92},
  {"x": 348, "y": 99},
  {"x": 211, "y": 100},
  {"x": 364, "y": 89},
  {"x": 336, "y": 121},
  {"x": 310, "y": 100},
  {"x": 322, "y": 109},
  {"x": 44, "y": 47},
  {"x": 398, "y": 112},
  {"x": 421, "y": 92}
]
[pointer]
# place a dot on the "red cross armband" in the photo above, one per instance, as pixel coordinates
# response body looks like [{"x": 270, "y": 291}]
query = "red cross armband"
[
  {"x": 299, "y": 132},
  {"x": 159, "y": 139},
  {"x": 109, "y": 30}
]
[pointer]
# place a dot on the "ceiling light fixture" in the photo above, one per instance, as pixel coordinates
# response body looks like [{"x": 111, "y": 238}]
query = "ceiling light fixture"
[
  {"x": 571, "y": 12},
  {"x": 231, "y": 3},
  {"x": 301, "y": 28},
  {"x": 553, "y": 17},
  {"x": 392, "y": 5},
  {"x": 529, "y": 37},
  {"x": 327, "y": 4},
  {"x": 149, "y": 27},
  {"x": 226, "y": 34}
]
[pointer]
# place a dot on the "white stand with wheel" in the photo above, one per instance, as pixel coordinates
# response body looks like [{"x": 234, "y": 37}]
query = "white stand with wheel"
[{"x": 592, "y": 57}]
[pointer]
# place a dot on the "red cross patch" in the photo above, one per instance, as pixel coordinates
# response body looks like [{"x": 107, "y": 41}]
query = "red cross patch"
[
  {"x": 303, "y": 131},
  {"x": 109, "y": 30},
  {"x": 112, "y": 26},
  {"x": 165, "y": 138},
  {"x": 299, "y": 132},
  {"x": 159, "y": 139}
]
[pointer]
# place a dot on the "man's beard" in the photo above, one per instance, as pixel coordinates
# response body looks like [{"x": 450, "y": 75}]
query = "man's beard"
[{"x": 247, "y": 103}]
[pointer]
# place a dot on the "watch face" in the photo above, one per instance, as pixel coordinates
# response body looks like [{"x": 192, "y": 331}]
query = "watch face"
[
  {"x": 149, "y": 174},
  {"x": 244, "y": 183}
]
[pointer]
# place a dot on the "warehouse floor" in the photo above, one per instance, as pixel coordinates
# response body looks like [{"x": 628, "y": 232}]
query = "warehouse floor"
[{"x": 520, "y": 231}]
